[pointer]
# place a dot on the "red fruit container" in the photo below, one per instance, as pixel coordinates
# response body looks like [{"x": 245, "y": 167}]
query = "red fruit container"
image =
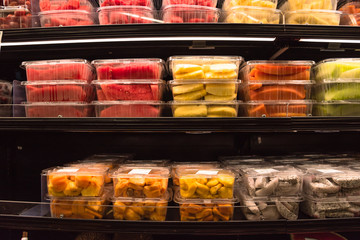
[
  {"x": 128, "y": 108},
  {"x": 133, "y": 68},
  {"x": 64, "y": 69},
  {"x": 190, "y": 14},
  {"x": 15, "y": 17},
  {"x": 58, "y": 109},
  {"x": 127, "y": 90},
  {"x": 206, "y": 3},
  {"x": 55, "y": 5},
  {"x": 143, "y": 3},
  {"x": 126, "y": 15},
  {"x": 64, "y": 18},
  {"x": 58, "y": 91}
]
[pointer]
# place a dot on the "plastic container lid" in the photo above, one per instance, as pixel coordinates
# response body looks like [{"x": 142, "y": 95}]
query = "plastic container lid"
[
  {"x": 155, "y": 162},
  {"x": 290, "y": 63},
  {"x": 124, "y": 102},
  {"x": 204, "y": 173},
  {"x": 274, "y": 171},
  {"x": 100, "y": 62},
  {"x": 74, "y": 171},
  {"x": 141, "y": 172},
  {"x": 285, "y": 82}
]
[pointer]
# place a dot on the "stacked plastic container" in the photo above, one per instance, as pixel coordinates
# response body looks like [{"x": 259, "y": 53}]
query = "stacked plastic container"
[
  {"x": 189, "y": 11},
  {"x": 351, "y": 14},
  {"x": 16, "y": 14},
  {"x": 129, "y": 87},
  {"x": 57, "y": 13},
  {"x": 277, "y": 88},
  {"x": 58, "y": 88},
  {"x": 252, "y": 11},
  {"x": 337, "y": 87},
  {"x": 311, "y": 12},
  {"x": 204, "y": 86}
]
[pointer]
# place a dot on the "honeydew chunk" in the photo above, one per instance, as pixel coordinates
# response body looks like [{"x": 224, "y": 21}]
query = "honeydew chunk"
[
  {"x": 185, "y": 88},
  {"x": 348, "y": 92},
  {"x": 191, "y": 75},
  {"x": 186, "y": 68},
  {"x": 223, "y": 111},
  {"x": 190, "y": 96},
  {"x": 191, "y": 111},
  {"x": 223, "y": 89},
  {"x": 222, "y": 68}
]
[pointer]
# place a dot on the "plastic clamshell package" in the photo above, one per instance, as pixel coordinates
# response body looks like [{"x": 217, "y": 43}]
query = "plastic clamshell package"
[
  {"x": 334, "y": 207},
  {"x": 276, "y": 90},
  {"x": 334, "y": 90},
  {"x": 129, "y": 90},
  {"x": 62, "y": 69},
  {"x": 337, "y": 108},
  {"x": 58, "y": 18},
  {"x": 78, "y": 207},
  {"x": 293, "y": 5},
  {"x": 74, "y": 181},
  {"x": 15, "y": 17},
  {"x": 204, "y": 109},
  {"x": 140, "y": 181},
  {"x": 126, "y": 15},
  {"x": 228, "y": 4},
  {"x": 206, "y": 183},
  {"x": 131, "y": 68},
  {"x": 143, "y": 3},
  {"x": 278, "y": 70},
  {"x": 205, "y": 209},
  {"x": 294, "y": 108},
  {"x": 211, "y": 90},
  {"x": 206, "y": 3},
  {"x": 190, "y": 14},
  {"x": 337, "y": 68},
  {"x": 351, "y": 14},
  {"x": 272, "y": 181},
  {"x": 128, "y": 109},
  {"x": 204, "y": 67},
  {"x": 261, "y": 15},
  {"x": 65, "y": 5},
  {"x": 58, "y": 91},
  {"x": 313, "y": 17},
  {"x": 327, "y": 180},
  {"x": 13, "y": 3},
  {"x": 58, "y": 109}
]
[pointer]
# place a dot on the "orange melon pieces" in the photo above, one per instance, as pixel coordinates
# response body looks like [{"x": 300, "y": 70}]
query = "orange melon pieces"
[
  {"x": 278, "y": 92},
  {"x": 206, "y": 212},
  {"x": 279, "y": 71},
  {"x": 277, "y": 110},
  {"x": 154, "y": 210}
]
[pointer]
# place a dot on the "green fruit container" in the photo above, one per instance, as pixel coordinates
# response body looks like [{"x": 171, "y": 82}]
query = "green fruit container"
[
  {"x": 337, "y": 68},
  {"x": 335, "y": 90},
  {"x": 337, "y": 108}
]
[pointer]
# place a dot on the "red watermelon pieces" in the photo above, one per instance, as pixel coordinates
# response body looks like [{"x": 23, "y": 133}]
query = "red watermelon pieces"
[
  {"x": 50, "y": 5},
  {"x": 125, "y": 15},
  {"x": 190, "y": 14},
  {"x": 207, "y": 3},
  {"x": 136, "y": 70},
  {"x": 145, "y": 3},
  {"x": 58, "y": 110},
  {"x": 131, "y": 110},
  {"x": 66, "y": 18}
]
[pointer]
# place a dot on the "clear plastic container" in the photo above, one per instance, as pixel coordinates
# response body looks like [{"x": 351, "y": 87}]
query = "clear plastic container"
[
  {"x": 140, "y": 181},
  {"x": 293, "y": 5},
  {"x": 331, "y": 207},
  {"x": 152, "y": 163},
  {"x": 58, "y": 109},
  {"x": 143, "y": 3},
  {"x": 228, "y": 4},
  {"x": 64, "y": 18},
  {"x": 334, "y": 90},
  {"x": 206, "y": 210},
  {"x": 5, "y": 92},
  {"x": 337, "y": 108},
  {"x": 78, "y": 207},
  {"x": 205, "y": 67},
  {"x": 204, "y": 90},
  {"x": 129, "y": 90},
  {"x": 263, "y": 70},
  {"x": 206, "y": 183},
  {"x": 206, "y": 3},
  {"x": 58, "y": 91},
  {"x": 75, "y": 181},
  {"x": 190, "y": 14},
  {"x": 276, "y": 90},
  {"x": 61, "y": 5},
  {"x": 261, "y": 15},
  {"x": 295, "y": 108},
  {"x": 204, "y": 109},
  {"x": 13, "y": 3},
  {"x": 15, "y": 17},
  {"x": 128, "y": 108},
  {"x": 126, "y": 15},
  {"x": 62, "y": 69},
  {"x": 337, "y": 68},
  {"x": 313, "y": 17},
  {"x": 132, "y": 68},
  {"x": 272, "y": 181},
  {"x": 351, "y": 14}
]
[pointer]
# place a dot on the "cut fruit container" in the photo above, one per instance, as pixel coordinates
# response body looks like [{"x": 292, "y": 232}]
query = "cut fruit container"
[
  {"x": 204, "y": 109},
  {"x": 58, "y": 91},
  {"x": 278, "y": 70},
  {"x": 190, "y": 14},
  {"x": 337, "y": 68},
  {"x": 206, "y": 3},
  {"x": 276, "y": 90},
  {"x": 213, "y": 90},
  {"x": 294, "y": 5},
  {"x": 313, "y": 17},
  {"x": 58, "y": 109},
  {"x": 15, "y": 17},
  {"x": 294, "y": 108},
  {"x": 17, "y": 3},
  {"x": 140, "y": 181},
  {"x": 228, "y": 4},
  {"x": 126, "y": 15},
  {"x": 337, "y": 108},
  {"x": 351, "y": 14},
  {"x": 128, "y": 108},
  {"x": 261, "y": 15},
  {"x": 63, "y": 18},
  {"x": 62, "y": 69},
  {"x": 341, "y": 89},
  {"x": 204, "y": 67},
  {"x": 61, "y": 5},
  {"x": 142, "y": 3},
  {"x": 206, "y": 183},
  {"x": 129, "y": 90},
  {"x": 131, "y": 68}
]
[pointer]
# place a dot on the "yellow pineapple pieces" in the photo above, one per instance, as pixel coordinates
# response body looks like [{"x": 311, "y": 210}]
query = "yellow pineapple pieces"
[
  {"x": 140, "y": 210},
  {"x": 206, "y": 212}
]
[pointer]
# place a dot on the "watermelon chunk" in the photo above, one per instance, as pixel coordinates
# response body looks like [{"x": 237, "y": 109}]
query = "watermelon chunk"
[
  {"x": 129, "y": 71},
  {"x": 57, "y": 111},
  {"x": 132, "y": 110},
  {"x": 59, "y": 93},
  {"x": 112, "y": 92}
]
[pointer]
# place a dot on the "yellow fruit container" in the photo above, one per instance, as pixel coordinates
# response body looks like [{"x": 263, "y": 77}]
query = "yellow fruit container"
[
  {"x": 228, "y": 4},
  {"x": 313, "y": 17},
  {"x": 218, "y": 109},
  {"x": 294, "y": 5},
  {"x": 261, "y": 15}
]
